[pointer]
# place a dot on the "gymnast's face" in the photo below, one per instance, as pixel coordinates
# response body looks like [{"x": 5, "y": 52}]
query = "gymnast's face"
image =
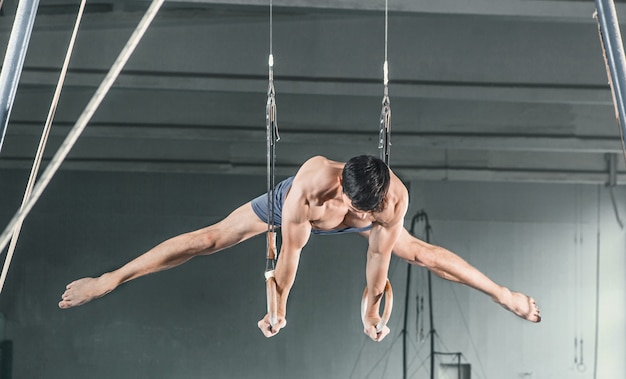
[{"x": 357, "y": 212}]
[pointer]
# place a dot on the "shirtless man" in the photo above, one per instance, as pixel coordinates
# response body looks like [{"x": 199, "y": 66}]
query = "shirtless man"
[{"x": 324, "y": 197}]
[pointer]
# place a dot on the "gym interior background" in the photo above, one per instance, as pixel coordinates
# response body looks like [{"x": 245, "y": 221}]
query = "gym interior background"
[{"x": 503, "y": 128}]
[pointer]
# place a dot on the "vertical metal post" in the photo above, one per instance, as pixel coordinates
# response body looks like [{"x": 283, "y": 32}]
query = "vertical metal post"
[
  {"x": 14, "y": 59},
  {"x": 419, "y": 216},
  {"x": 614, "y": 54},
  {"x": 430, "y": 309},
  {"x": 405, "y": 330},
  {"x": 432, "y": 327}
]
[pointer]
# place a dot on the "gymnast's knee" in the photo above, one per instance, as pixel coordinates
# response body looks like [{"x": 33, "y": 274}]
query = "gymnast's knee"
[
  {"x": 202, "y": 242},
  {"x": 424, "y": 256}
]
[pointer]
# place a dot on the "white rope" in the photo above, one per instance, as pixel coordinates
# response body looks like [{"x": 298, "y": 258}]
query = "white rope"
[
  {"x": 42, "y": 144},
  {"x": 82, "y": 121}
]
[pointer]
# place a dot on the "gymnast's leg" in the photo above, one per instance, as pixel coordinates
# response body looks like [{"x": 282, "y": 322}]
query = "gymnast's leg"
[
  {"x": 450, "y": 266},
  {"x": 240, "y": 225}
]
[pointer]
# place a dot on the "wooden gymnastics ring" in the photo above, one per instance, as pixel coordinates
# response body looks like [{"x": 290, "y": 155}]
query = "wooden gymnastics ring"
[
  {"x": 386, "y": 311},
  {"x": 270, "y": 280},
  {"x": 272, "y": 297}
]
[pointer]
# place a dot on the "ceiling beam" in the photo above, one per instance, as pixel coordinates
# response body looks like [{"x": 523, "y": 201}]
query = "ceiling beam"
[
  {"x": 564, "y": 10},
  {"x": 407, "y": 173},
  {"x": 536, "y": 143},
  {"x": 539, "y": 9},
  {"x": 508, "y": 93}
]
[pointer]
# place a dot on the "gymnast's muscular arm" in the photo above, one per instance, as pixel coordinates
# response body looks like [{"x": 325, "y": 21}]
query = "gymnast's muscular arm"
[
  {"x": 382, "y": 239},
  {"x": 296, "y": 231}
]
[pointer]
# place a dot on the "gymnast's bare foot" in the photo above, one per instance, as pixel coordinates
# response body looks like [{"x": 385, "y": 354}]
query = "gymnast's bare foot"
[
  {"x": 520, "y": 304},
  {"x": 84, "y": 290}
]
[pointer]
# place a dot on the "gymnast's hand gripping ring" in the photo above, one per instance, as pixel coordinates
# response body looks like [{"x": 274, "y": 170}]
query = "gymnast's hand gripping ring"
[{"x": 387, "y": 310}]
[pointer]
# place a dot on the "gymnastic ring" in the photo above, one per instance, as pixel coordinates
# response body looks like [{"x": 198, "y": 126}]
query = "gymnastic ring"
[
  {"x": 272, "y": 297},
  {"x": 386, "y": 311}
]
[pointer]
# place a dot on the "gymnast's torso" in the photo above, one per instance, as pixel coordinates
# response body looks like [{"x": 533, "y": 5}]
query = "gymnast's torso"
[{"x": 316, "y": 197}]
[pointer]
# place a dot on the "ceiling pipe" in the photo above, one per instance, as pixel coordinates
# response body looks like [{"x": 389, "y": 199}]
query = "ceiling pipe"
[
  {"x": 14, "y": 59},
  {"x": 613, "y": 47}
]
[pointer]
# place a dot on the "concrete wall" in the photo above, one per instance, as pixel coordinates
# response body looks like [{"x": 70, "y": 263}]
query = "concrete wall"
[{"x": 199, "y": 320}]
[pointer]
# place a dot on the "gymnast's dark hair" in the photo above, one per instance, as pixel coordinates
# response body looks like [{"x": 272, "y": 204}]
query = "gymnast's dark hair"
[{"x": 365, "y": 180}]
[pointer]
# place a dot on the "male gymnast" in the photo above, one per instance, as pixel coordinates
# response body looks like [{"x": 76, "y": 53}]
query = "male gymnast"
[{"x": 324, "y": 197}]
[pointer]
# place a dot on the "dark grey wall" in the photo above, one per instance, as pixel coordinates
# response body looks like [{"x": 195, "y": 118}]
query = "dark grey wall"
[
  {"x": 195, "y": 321},
  {"x": 199, "y": 320}
]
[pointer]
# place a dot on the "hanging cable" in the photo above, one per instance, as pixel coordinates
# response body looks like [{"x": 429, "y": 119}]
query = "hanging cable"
[
  {"x": 597, "y": 310},
  {"x": 577, "y": 278},
  {"x": 271, "y": 138},
  {"x": 42, "y": 144},
  {"x": 82, "y": 121},
  {"x": 383, "y": 144},
  {"x": 384, "y": 137}
]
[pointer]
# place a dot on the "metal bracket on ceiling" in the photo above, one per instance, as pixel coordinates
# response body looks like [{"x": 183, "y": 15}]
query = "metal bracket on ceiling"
[{"x": 611, "y": 159}]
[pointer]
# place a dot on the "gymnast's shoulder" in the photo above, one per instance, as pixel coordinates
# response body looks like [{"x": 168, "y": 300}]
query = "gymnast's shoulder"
[
  {"x": 318, "y": 177},
  {"x": 318, "y": 167}
]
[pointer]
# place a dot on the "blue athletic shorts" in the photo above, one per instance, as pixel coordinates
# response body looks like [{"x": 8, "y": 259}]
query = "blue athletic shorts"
[{"x": 259, "y": 206}]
